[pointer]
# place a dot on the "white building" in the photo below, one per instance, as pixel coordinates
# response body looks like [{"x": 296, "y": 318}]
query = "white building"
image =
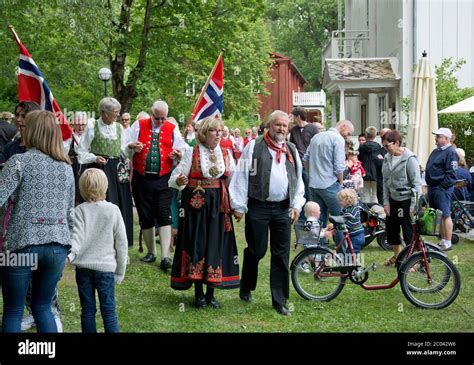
[{"x": 383, "y": 40}]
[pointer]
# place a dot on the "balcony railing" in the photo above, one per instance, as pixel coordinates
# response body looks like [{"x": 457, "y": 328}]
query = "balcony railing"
[
  {"x": 308, "y": 99},
  {"x": 349, "y": 43}
]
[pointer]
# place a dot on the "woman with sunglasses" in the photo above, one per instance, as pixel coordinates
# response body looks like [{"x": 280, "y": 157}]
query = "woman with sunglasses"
[{"x": 401, "y": 176}]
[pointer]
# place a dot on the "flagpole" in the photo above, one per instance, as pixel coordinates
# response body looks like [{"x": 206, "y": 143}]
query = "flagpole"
[
  {"x": 203, "y": 90},
  {"x": 17, "y": 40}
]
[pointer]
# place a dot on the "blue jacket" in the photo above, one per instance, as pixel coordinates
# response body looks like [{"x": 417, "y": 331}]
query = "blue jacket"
[{"x": 441, "y": 167}]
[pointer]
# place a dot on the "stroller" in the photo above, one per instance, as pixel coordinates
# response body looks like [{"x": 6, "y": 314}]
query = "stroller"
[{"x": 372, "y": 217}]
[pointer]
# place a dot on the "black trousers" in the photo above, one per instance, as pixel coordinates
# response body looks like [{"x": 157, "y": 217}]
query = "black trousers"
[
  {"x": 152, "y": 199},
  {"x": 261, "y": 218},
  {"x": 399, "y": 217}
]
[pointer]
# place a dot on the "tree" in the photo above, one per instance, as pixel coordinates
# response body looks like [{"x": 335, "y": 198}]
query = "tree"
[
  {"x": 301, "y": 30},
  {"x": 448, "y": 93},
  {"x": 154, "y": 48}
]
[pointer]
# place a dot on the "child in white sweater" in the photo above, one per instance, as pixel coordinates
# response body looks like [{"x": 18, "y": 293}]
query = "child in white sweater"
[{"x": 99, "y": 251}]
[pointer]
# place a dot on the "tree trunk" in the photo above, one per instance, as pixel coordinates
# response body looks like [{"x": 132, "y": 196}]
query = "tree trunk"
[{"x": 125, "y": 93}]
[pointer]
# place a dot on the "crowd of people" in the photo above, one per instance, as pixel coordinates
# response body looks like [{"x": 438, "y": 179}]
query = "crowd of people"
[{"x": 72, "y": 201}]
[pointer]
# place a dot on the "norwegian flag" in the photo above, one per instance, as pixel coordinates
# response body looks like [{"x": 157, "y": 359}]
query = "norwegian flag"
[
  {"x": 33, "y": 87},
  {"x": 209, "y": 103}
]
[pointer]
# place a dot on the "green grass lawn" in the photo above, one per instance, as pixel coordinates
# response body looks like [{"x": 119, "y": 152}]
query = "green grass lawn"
[{"x": 146, "y": 303}]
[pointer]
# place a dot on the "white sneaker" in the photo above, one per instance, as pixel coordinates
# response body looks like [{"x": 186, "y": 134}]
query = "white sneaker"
[
  {"x": 305, "y": 267},
  {"x": 445, "y": 246},
  {"x": 27, "y": 322},
  {"x": 57, "y": 319}
]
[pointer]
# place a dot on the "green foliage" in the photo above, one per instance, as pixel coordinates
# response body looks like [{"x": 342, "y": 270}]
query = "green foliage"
[
  {"x": 448, "y": 93},
  {"x": 301, "y": 29},
  {"x": 70, "y": 40}
]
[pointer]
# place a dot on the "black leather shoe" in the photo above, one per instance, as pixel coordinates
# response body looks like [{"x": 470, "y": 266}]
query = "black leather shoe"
[
  {"x": 213, "y": 302},
  {"x": 282, "y": 309},
  {"x": 149, "y": 258},
  {"x": 166, "y": 264},
  {"x": 200, "y": 302},
  {"x": 245, "y": 295}
]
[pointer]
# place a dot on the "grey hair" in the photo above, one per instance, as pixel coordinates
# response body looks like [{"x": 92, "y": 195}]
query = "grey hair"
[
  {"x": 173, "y": 120},
  {"x": 160, "y": 105},
  {"x": 276, "y": 114},
  {"x": 108, "y": 105},
  {"x": 80, "y": 116},
  {"x": 126, "y": 115},
  {"x": 226, "y": 129},
  {"x": 143, "y": 115}
]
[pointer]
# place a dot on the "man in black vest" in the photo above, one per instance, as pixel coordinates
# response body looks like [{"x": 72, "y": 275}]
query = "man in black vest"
[{"x": 271, "y": 194}]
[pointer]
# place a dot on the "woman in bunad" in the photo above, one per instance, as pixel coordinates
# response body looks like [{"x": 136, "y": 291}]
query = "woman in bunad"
[
  {"x": 206, "y": 251},
  {"x": 104, "y": 146}
]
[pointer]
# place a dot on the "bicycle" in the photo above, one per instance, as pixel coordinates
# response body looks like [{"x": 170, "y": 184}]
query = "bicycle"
[{"x": 427, "y": 277}]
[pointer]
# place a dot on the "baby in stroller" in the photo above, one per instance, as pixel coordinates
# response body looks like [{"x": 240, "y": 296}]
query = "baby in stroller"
[{"x": 312, "y": 211}]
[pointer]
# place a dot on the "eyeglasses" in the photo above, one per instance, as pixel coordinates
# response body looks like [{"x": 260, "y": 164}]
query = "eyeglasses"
[
  {"x": 387, "y": 144},
  {"x": 159, "y": 118},
  {"x": 218, "y": 131}
]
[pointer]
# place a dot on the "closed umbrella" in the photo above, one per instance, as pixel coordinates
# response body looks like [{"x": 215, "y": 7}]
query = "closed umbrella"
[
  {"x": 424, "y": 112},
  {"x": 464, "y": 106}
]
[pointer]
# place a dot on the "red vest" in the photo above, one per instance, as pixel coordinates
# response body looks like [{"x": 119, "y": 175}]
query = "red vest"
[
  {"x": 196, "y": 172},
  {"x": 227, "y": 145},
  {"x": 165, "y": 141}
]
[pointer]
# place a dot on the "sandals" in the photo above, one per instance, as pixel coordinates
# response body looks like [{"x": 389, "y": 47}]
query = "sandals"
[{"x": 391, "y": 261}]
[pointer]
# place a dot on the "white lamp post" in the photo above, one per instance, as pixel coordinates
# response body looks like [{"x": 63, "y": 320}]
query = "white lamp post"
[{"x": 105, "y": 74}]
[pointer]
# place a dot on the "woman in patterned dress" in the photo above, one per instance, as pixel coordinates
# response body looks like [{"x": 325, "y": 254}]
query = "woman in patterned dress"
[{"x": 206, "y": 251}]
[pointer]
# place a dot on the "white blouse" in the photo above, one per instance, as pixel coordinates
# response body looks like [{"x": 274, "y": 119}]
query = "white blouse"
[
  {"x": 84, "y": 155},
  {"x": 184, "y": 166}
]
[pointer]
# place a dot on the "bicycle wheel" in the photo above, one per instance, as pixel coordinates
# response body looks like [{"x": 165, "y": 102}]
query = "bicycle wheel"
[
  {"x": 382, "y": 241},
  {"x": 434, "y": 292},
  {"x": 313, "y": 286},
  {"x": 403, "y": 255}
]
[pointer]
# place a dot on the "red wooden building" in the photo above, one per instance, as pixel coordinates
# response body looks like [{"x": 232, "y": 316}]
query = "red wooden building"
[{"x": 286, "y": 79}]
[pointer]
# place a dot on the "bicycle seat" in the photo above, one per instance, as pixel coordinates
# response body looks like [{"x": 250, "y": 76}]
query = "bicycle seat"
[{"x": 337, "y": 219}]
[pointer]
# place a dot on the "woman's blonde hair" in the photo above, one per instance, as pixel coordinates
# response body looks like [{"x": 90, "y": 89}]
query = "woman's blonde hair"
[
  {"x": 348, "y": 195},
  {"x": 43, "y": 133},
  {"x": 206, "y": 125},
  {"x": 93, "y": 185}
]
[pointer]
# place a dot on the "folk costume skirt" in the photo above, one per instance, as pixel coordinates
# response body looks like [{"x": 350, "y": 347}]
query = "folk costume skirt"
[
  {"x": 206, "y": 250},
  {"x": 118, "y": 194}
]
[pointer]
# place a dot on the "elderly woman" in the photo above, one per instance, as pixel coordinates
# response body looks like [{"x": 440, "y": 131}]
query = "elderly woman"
[
  {"x": 238, "y": 144},
  {"x": 401, "y": 180},
  {"x": 206, "y": 251},
  {"x": 39, "y": 229},
  {"x": 102, "y": 146}
]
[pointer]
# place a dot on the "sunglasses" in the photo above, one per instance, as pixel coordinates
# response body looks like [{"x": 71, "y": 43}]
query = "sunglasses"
[{"x": 159, "y": 118}]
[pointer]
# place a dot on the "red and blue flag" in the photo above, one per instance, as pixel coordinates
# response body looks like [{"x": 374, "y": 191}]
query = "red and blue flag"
[
  {"x": 209, "y": 103},
  {"x": 33, "y": 87}
]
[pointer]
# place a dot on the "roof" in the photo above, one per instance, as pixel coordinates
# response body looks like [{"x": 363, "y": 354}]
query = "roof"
[
  {"x": 279, "y": 56},
  {"x": 385, "y": 69}
]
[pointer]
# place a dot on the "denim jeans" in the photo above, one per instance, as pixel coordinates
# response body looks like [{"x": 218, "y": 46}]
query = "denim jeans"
[
  {"x": 88, "y": 281},
  {"x": 50, "y": 259},
  {"x": 327, "y": 200}
]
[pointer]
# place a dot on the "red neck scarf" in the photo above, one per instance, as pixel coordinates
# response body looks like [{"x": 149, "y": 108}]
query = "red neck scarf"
[{"x": 272, "y": 145}]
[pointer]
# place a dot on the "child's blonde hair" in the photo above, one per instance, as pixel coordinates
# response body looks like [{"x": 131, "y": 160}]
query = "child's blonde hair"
[
  {"x": 93, "y": 185},
  {"x": 310, "y": 206},
  {"x": 349, "y": 196}
]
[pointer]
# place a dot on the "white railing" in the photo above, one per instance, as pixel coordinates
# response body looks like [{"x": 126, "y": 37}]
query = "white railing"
[
  {"x": 350, "y": 43},
  {"x": 314, "y": 98}
]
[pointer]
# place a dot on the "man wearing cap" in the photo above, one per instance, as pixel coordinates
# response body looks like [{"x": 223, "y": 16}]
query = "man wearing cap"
[{"x": 441, "y": 177}]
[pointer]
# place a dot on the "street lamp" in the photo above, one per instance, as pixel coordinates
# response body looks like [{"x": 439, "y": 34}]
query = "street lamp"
[{"x": 104, "y": 75}]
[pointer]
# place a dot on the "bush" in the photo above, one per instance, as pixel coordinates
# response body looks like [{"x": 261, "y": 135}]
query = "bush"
[{"x": 448, "y": 93}]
